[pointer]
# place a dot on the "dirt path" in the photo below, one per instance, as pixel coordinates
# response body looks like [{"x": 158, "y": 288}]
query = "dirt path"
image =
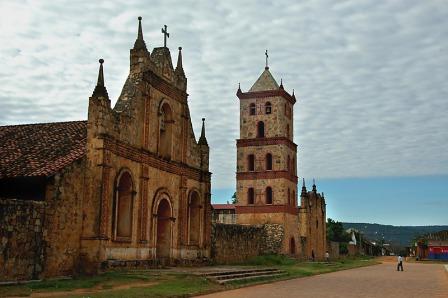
[{"x": 418, "y": 280}]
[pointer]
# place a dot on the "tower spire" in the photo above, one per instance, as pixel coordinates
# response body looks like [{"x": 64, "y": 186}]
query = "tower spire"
[
  {"x": 202, "y": 139},
  {"x": 139, "y": 42},
  {"x": 281, "y": 83},
  {"x": 314, "y": 186},
  {"x": 100, "y": 89},
  {"x": 303, "y": 187},
  {"x": 179, "y": 67}
]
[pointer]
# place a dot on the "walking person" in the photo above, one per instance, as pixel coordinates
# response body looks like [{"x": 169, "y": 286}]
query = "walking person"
[
  {"x": 327, "y": 257},
  {"x": 400, "y": 263}
]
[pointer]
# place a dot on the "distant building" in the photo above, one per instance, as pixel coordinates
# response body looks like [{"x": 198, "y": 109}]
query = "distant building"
[
  {"x": 223, "y": 213},
  {"x": 433, "y": 246}
]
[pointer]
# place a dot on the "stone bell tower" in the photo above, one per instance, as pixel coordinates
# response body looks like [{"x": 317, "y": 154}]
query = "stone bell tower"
[{"x": 266, "y": 159}]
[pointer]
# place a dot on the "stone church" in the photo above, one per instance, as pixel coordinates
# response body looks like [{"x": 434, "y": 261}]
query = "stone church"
[
  {"x": 267, "y": 170},
  {"x": 129, "y": 185}
]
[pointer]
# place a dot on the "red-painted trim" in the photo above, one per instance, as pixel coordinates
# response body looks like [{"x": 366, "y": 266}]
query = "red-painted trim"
[
  {"x": 166, "y": 88},
  {"x": 268, "y": 93},
  {"x": 266, "y": 209},
  {"x": 266, "y": 175},
  {"x": 266, "y": 141}
]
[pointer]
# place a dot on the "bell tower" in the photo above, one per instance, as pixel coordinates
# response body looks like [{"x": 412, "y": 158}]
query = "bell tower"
[{"x": 266, "y": 159}]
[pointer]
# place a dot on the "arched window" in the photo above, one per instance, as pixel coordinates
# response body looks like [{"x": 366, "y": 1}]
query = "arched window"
[
  {"x": 268, "y": 195},
  {"x": 260, "y": 129},
  {"x": 194, "y": 218},
  {"x": 269, "y": 161},
  {"x": 250, "y": 196},
  {"x": 123, "y": 205},
  {"x": 294, "y": 198},
  {"x": 251, "y": 162},
  {"x": 165, "y": 130},
  {"x": 289, "y": 196},
  {"x": 268, "y": 108},
  {"x": 288, "y": 164},
  {"x": 287, "y": 131},
  {"x": 252, "y": 109}
]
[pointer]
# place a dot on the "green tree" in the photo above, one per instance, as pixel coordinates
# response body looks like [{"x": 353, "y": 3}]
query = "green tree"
[
  {"x": 234, "y": 199},
  {"x": 336, "y": 232}
]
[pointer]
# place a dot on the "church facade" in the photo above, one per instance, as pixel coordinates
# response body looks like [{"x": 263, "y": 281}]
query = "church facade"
[
  {"x": 129, "y": 184},
  {"x": 266, "y": 176}
]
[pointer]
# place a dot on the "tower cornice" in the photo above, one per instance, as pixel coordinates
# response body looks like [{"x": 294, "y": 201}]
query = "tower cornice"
[
  {"x": 265, "y": 94},
  {"x": 266, "y": 175},
  {"x": 266, "y": 141}
]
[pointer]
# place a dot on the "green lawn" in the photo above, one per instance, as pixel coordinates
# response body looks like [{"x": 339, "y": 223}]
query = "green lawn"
[{"x": 153, "y": 283}]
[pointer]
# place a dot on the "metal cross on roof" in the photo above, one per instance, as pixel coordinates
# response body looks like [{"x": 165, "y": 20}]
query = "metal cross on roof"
[
  {"x": 267, "y": 56},
  {"x": 165, "y": 35}
]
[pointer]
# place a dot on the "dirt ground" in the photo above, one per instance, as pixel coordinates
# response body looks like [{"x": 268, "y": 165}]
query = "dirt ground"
[{"x": 417, "y": 280}]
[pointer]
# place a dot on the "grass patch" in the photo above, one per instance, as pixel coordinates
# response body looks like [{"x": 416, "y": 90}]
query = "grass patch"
[
  {"x": 271, "y": 260},
  {"x": 106, "y": 280}
]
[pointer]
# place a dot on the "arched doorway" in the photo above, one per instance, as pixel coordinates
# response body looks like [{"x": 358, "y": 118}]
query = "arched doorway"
[
  {"x": 163, "y": 244},
  {"x": 194, "y": 214},
  {"x": 292, "y": 246}
]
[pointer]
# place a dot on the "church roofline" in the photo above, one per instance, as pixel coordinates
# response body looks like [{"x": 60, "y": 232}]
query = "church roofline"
[{"x": 267, "y": 93}]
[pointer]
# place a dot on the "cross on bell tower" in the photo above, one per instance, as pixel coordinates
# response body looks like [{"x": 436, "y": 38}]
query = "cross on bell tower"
[
  {"x": 267, "y": 56},
  {"x": 165, "y": 35}
]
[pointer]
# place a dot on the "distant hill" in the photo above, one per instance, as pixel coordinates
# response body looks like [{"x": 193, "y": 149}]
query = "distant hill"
[{"x": 395, "y": 235}]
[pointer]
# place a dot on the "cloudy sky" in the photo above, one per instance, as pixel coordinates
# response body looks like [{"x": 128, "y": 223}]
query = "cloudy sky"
[{"x": 371, "y": 79}]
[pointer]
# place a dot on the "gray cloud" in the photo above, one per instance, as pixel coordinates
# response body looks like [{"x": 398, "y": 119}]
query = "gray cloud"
[{"x": 370, "y": 75}]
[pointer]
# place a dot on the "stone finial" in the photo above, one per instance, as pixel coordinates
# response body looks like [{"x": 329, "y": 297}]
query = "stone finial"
[
  {"x": 179, "y": 68},
  {"x": 139, "y": 42},
  {"x": 100, "y": 89},
  {"x": 202, "y": 139},
  {"x": 281, "y": 84},
  {"x": 303, "y": 187},
  {"x": 314, "y": 186}
]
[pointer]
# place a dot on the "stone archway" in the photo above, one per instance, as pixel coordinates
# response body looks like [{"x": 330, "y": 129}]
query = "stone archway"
[{"x": 163, "y": 240}]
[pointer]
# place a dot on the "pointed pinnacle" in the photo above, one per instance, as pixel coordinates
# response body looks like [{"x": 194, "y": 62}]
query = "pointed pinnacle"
[
  {"x": 139, "y": 42},
  {"x": 100, "y": 89},
  {"x": 202, "y": 139},
  {"x": 179, "y": 67}
]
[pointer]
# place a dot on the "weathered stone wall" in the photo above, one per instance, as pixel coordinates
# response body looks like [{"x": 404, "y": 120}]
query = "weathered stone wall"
[
  {"x": 63, "y": 220},
  {"x": 237, "y": 243},
  {"x": 333, "y": 249},
  {"x": 21, "y": 239}
]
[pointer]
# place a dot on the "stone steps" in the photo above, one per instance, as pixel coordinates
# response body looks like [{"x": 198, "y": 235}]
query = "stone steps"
[{"x": 223, "y": 277}]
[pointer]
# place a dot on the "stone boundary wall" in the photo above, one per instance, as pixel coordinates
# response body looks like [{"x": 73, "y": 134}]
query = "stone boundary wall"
[
  {"x": 22, "y": 244},
  {"x": 333, "y": 249},
  {"x": 232, "y": 243}
]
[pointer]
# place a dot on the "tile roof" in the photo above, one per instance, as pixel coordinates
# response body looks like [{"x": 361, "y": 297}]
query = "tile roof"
[
  {"x": 40, "y": 149},
  {"x": 223, "y": 206}
]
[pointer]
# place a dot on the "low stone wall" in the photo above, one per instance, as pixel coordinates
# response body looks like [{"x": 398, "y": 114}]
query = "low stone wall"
[
  {"x": 237, "y": 243},
  {"x": 22, "y": 241},
  {"x": 333, "y": 249}
]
